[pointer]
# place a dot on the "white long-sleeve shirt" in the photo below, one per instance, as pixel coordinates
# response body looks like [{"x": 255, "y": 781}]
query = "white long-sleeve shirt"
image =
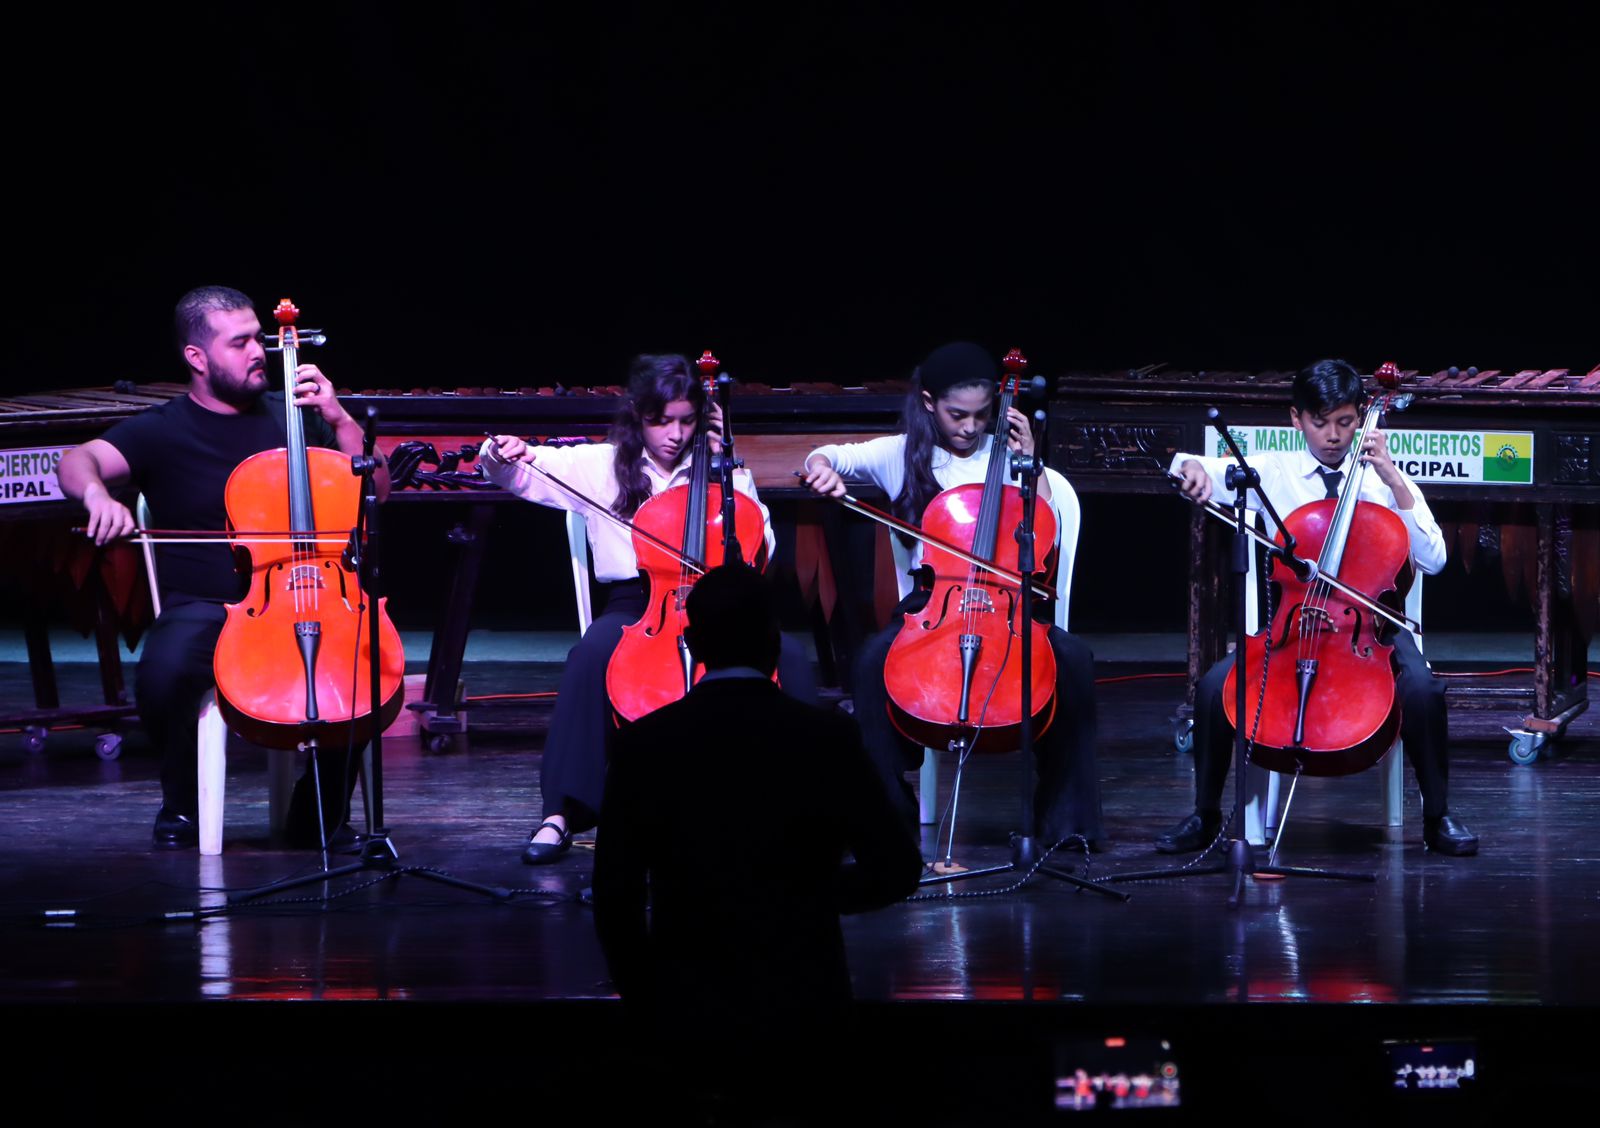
[
  {"x": 1291, "y": 479},
  {"x": 588, "y": 469},
  {"x": 883, "y": 463}
]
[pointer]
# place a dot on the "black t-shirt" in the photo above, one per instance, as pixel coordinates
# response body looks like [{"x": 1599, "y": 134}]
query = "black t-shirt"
[{"x": 180, "y": 456}]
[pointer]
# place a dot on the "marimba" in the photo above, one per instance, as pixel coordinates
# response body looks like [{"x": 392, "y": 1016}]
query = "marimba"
[
  {"x": 103, "y": 592},
  {"x": 1109, "y": 433}
]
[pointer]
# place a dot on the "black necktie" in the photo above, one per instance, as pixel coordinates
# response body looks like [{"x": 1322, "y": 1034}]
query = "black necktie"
[{"x": 1330, "y": 481}]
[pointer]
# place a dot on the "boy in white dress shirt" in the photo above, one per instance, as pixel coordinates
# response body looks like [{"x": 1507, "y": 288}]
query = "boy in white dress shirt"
[{"x": 1327, "y": 411}]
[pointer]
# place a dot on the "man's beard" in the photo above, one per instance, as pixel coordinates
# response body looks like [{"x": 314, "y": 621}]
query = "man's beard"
[{"x": 235, "y": 395}]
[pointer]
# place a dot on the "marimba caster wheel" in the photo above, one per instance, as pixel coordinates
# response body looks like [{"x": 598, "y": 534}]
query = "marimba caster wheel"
[
  {"x": 1526, "y": 746},
  {"x": 34, "y": 738},
  {"x": 108, "y": 745},
  {"x": 1183, "y": 736},
  {"x": 441, "y": 742}
]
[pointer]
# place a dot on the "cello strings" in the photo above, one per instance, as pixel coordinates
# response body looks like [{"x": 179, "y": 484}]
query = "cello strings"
[
  {"x": 1313, "y": 607},
  {"x": 994, "y": 686},
  {"x": 1321, "y": 595},
  {"x": 1349, "y": 498}
]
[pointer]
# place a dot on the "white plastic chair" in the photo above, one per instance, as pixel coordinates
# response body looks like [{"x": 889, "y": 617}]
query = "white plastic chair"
[
  {"x": 1263, "y": 821},
  {"x": 1069, "y": 516},
  {"x": 578, "y": 549},
  {"x": 212, "y": 739}
]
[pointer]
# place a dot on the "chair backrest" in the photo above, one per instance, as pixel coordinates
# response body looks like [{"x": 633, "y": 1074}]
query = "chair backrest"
[
  {"x": 578, "y": 550},
  {"x": 141, "y": 515},
  {"x": 1414, "y": 606},
  {"x": 1069, "y": 517}
]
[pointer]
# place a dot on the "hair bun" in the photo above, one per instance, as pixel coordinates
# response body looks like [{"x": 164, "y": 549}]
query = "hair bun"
[{"x": 960, "y": 362}]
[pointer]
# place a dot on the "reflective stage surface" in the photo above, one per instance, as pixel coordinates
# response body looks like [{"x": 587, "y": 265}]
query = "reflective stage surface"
[{"x": 1499, "y": 942}]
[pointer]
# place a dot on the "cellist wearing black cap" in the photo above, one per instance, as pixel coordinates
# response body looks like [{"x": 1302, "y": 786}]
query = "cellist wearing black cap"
[{"x": 946, "y": 441}]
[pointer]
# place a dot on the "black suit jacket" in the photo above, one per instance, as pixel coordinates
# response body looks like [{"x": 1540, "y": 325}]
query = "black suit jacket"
[{"x": 731, "y": 811}]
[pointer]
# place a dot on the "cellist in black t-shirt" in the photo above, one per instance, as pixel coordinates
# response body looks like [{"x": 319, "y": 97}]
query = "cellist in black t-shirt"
[{"x": 179, "y": 455}]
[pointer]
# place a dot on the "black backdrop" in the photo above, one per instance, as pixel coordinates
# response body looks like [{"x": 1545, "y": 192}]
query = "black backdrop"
[{"x": 524, "y": 195}]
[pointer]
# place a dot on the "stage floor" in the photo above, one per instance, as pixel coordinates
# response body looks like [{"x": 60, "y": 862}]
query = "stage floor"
[{"x": 1438, "y": 936}]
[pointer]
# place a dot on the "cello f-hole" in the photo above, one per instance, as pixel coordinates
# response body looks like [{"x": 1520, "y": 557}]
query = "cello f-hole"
[
  {"x": 266, "y": 594},
  {"x": 1356, "y": 647},
  {"x": 1291, "y": 619},
  {"x": 944, "y": 609},
  {"x": 1013, "y": 610},
  {"x": 344, "y": 587}
]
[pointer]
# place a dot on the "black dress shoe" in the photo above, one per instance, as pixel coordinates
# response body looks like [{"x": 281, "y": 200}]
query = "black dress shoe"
[
  {"x": 1191, "y": 834},
  {"x": 174, "y": 831},
  {"x": 1447, "y": 835},
  {"x": 543, "y": 853}
]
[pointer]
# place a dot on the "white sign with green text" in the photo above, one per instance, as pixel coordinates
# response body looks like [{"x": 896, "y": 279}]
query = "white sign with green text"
[
  {"x": 30, "y": 475},
  {"x": 1496, "y": 458}
]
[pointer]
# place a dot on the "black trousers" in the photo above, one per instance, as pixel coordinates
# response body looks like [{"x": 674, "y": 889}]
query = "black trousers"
[
  {"x": 572, "y": 775},
  {"x": 1066, "y": 798},
  {"x": 175, "y": 671},
  {"x": 1424, "y": 727}
]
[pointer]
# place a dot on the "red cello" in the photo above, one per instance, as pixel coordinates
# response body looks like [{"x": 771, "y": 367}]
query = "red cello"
[
  {"x": 292, "y": 662},
  {"x": 955, "y": 668},
  {"x": 1329, "y": 706},
  {"x": 652, "y": 665}
]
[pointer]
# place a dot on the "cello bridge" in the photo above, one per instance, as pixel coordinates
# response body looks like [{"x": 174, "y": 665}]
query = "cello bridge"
[
  {"x": 977, "y": 599},
  {"x": 1316, "y": 619},
  {"x": 304, "y": 577}
]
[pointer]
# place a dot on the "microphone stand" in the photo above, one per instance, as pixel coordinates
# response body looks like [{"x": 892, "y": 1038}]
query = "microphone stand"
[
  {"x": 1240, "y": 856},
  {"x": 1025, "y": 856},
  {"x": 725, "y": 462},
  {"x": 378, "y": 851}
]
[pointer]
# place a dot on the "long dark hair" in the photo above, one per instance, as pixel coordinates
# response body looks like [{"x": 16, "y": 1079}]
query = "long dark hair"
[
  {"x": 922, "y": 439},
  {"x": 653, "y": 382}
]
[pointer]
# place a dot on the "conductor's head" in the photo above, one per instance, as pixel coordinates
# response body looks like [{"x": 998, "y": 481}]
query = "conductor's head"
[{"x": 733, "y": 620}]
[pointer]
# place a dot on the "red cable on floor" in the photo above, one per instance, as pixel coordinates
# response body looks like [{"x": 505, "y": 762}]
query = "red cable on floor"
[{"x": 511, "y": 696}]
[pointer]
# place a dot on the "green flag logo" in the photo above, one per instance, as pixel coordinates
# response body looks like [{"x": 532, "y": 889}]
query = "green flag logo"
[{"x": 1507, "y": 458}]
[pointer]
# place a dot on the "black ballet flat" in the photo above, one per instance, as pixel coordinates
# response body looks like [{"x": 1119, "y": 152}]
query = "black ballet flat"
[{"x": 543, "y": 853}]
